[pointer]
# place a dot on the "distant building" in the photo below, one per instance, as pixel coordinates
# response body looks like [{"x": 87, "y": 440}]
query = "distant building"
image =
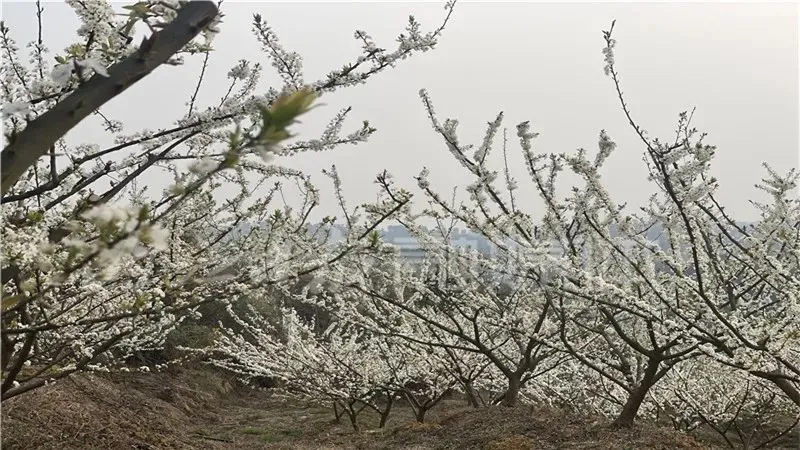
[{"x": 409, "y": 247}]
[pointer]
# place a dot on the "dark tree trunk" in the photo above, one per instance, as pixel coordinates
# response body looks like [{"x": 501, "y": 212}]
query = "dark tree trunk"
[
  {"x": 789, "y": 389},
  {"x": 353, "y": 416},
  {"x": 511, "y": 395},
  {"x": 421, "y": 407},
  {"x": 473, "y": 398},
  {"x": 786, "y": 386},
  {"x": 385, "y": 413},
  {"x": 336, "y": 413},
  {"x": 352, "y": 412},
  {"x": 637, "y": 395}
]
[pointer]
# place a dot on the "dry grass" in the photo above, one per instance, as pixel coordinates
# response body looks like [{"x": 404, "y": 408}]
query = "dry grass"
[
  {"x": 205, "y": 409},
  {"x": 133, "y": 411}
]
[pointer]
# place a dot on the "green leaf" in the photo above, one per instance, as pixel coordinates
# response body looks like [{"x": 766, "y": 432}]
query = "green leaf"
[
  {"x": 76, "y": 50},
  {"x": 284, "y": 110},
  {"x": 144, "y": 213},
  {"x": 374, "y": 239},
  {"x": 140, "y": 301},
  {"x": 35, "y": 216},
  {"x": 282, "y": 113},
  {"x": 231, "y": 159},
  {"x": 138, "y": 9},
  {"x": 7, "y": 303}
]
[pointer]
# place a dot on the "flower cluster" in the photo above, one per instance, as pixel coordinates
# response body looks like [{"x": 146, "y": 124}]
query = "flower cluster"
[{"x": 99, "y": 268}]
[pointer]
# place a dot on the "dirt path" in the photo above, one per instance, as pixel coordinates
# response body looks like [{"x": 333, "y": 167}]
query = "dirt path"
[
  {"x": 205, "y": 409},
  {"x": 268, "y": 423}
]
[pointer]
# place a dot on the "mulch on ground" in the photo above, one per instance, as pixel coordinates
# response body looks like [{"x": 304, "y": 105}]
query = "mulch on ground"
[{"x": 201, "y": 408}]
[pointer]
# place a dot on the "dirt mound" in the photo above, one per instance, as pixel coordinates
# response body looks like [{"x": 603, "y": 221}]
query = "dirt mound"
[
  {"x": 526, "y": 427},
  {"x": 206, "y": 409},
  {"x": 144, "y": 411}
]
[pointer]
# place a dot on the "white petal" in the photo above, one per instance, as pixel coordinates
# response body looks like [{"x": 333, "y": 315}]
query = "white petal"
[
  {"x": 96, "y": 65},
  {"x": 10, "y": 109},
  {"x": 62, "y": 73}
]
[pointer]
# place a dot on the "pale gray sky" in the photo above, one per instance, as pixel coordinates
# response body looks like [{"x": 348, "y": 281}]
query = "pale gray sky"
[{"x": 736, "y": 62}]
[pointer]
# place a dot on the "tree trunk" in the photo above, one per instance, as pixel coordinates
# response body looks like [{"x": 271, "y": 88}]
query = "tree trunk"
[
  {"x": 512, "y": 392},
  {"x": 472, "y": 395},
  {"x": 786, "y": 386},
  {"x": 353, "y": 416},
  {"x": 637, "y": 395},
  {"x": 789, "y": 389},
  {"x": 417, "y": 407},
  {"x": 336, "y": 413},
  {"x": 385, "y": 413}
]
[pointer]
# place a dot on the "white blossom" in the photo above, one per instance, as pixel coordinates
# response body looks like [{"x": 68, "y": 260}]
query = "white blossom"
[
  {"x": 94, "y": 64},
  {"x": 62, "y": 73},
  {"x": 16, "y": 108}
]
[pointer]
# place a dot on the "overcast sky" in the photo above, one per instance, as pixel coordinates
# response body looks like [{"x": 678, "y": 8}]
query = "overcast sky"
[{"x": 736, "y": 62}]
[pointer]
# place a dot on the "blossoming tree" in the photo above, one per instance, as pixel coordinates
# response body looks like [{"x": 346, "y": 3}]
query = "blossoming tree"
[
  {"x": 454, "y": 301},
  {"x": 635, "y": 294},
  {"x": 95, "y": 265}
]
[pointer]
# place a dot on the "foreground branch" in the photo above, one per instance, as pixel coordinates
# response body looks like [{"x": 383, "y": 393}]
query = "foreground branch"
[{"x": 45, "y": 130}]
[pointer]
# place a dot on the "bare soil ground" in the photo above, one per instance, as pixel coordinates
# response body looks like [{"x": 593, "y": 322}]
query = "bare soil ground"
[{"x": 205, "y": 409}]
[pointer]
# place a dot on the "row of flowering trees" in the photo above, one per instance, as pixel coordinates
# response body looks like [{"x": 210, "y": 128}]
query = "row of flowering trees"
[
  {"x": 673, "y": 311},
  {"x": 96, "y": 264},
  {"x": 458, "y": 324},
  {"x": 594, "y": 306}
]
